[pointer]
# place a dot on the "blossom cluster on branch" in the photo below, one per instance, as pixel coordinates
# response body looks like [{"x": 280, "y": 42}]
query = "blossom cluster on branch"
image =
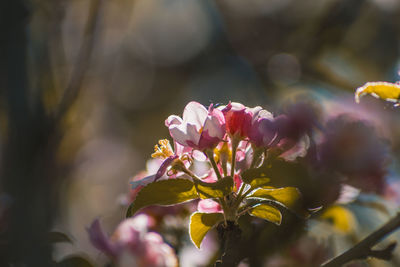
[{"x": 236, "y": 160}]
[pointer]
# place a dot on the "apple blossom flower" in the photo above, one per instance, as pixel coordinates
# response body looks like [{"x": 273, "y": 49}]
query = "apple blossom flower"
[
  {"x": 238, "y": 119},
  {"x": 165, "y": 151},
  {"x": 199, "y": 128},
  {"x": 175, "y": 161},
  {"x": 252, "y": 123},
  {"x": 261, "y": 133},
  {"x": 132, "y": 238}
]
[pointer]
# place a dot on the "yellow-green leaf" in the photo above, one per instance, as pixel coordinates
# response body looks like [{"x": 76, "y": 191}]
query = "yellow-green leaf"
[
  {"x": 384, "y": 90},
  {"x": 164, "y": 193},
  {"x": 289, "y": 197},
  {"x": 251, "y": 174},
  {"x": 267, "y": 212},
  {"x": 259, "y": 182},
  {"x": 201, "y": 223},
  {"x": 218, "y": 189}
]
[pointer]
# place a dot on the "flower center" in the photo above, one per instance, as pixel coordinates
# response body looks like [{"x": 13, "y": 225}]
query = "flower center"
[{"x": 163, "y": 151}]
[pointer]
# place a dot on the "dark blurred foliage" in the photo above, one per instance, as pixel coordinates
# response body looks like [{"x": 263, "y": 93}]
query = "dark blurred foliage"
[{"x": 86, "y": 86}]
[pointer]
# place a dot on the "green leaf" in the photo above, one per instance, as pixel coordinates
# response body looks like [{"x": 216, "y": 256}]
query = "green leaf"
[
  {"x": 58, "y": 237},
  {"x": 218, "y": 189},
  {"x": 289, "y": 197},
  {"x": 384, "y": 90},
  {"x": 267, "y": 212},
  {"x": 164, "y": 193},
  {"x": 74, "y": 261},
  {"x": 201, "y": 223}
]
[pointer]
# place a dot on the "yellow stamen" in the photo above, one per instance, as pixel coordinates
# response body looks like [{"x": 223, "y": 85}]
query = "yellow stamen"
[
  {"x": 223, "y": 154},
  {"x": 163, "y": 151}
]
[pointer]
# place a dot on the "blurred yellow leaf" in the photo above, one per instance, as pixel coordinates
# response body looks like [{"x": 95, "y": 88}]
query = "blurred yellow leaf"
[
  {"x": 341, "y": 218},
  {"x": 384, "y": 90}
]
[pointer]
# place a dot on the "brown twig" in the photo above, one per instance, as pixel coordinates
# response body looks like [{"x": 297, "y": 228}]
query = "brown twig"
[
  {"x": 363, "y": 249},
  {"x": 82, "y": 63}
]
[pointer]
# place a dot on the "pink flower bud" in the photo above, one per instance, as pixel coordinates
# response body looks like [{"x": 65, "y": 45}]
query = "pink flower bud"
[
  {"x": 238, "y": 119},
  {"x": 208, "y": 206}
]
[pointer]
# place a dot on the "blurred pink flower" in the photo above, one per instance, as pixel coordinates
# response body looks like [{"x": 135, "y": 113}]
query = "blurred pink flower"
[
  {"x": 132, "y": 237},
  {"x": 352, "y": 148},
  {"x": 199, "y": 129},
  {"x": 294, "y": 149}
]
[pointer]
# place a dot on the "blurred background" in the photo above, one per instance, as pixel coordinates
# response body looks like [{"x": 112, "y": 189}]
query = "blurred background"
[{"x": 87, "y": 84}]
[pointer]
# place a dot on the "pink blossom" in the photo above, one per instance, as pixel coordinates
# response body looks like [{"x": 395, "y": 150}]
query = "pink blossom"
[
  {"x": 165, "y": 151},
  {"x": 238, "y": 119},
  {"x": 255, "y": 123},
  {"x": 261, "y": 132},
  {"x": 208, "y": 206},
  {"x": 132, "y": 237},
  {"x": 199, "y": 129},
  {"x": 163, "y": 158},
  {"x": 210, "y": 176}
]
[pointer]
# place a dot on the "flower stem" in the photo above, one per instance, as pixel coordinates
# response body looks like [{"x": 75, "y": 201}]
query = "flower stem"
[
  {"x": 210, "y": 155},
  {"x": 225, "y": 170},
  {"x": 235, "y": 142},
  {"x": 257, "y": 152},
  {"x": 242, "y": 195}
]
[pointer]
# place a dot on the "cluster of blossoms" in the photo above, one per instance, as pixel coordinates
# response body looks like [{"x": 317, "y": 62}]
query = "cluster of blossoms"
[
  {"x": 256, "y": 153},
  {"x": 233, "y": 138},
  {"x": 238, "y": 160},
  {"x": 133, "y": 245},
  {"x": 226, "y": 135}
]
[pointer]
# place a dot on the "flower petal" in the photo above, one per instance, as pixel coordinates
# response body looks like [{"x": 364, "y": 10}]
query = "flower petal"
[
  {"x": 179, "y": 134},
  {"x": 100, "y": 240},
  {"x": 142, "y": 182},
  {"x": 208, "y": 206},
  {"x": 193, "y": 134},
  {"x": 298, "y": 150},
  {"x": 195, "y": 113},
  {"x": 173, "y": 120},
  {"x": 163, "y": 168},
  {"x": 214, "y": 127}
]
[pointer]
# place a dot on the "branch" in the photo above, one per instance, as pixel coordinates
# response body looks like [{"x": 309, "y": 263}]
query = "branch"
[
  {"x": 363, "y": 249},
  {"x": 230, "y": 236},
  {"x": 82, "y": 63}
]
